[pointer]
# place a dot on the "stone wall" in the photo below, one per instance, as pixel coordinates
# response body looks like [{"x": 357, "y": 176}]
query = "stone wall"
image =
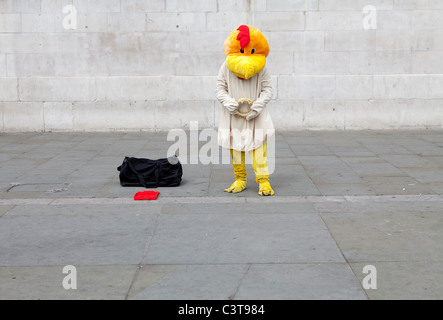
[{"x": 152, "y": 65}]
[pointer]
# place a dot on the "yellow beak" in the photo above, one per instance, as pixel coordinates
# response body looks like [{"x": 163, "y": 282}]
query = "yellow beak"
[{"x": 245, "y": 66}]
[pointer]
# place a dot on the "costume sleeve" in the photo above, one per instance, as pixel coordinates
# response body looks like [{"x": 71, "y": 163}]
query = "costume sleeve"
[
  {"x": 266, "y": 92},
  {"x": 221, "y": 90}
]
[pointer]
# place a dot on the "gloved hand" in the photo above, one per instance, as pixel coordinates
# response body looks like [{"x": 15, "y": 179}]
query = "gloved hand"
[
  {"x": 232, "y": 107},
  {"x": 255, "y": 112},
  {"x": 252, "y": 115}
]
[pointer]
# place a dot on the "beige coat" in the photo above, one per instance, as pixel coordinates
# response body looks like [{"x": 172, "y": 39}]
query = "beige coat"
[{"x": 236, "y": 132}]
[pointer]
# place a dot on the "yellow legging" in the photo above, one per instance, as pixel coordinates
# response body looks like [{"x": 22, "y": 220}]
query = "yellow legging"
[{"x": 259, "y": 164}]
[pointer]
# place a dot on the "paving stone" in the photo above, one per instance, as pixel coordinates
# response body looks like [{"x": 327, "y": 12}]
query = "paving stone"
[
  {"x": 46, "y": 282},
  {"x": 74, "y": 234},
  {"x": 246, "y": 238},
  {"x": 334, "y": 175},
  {"x": 387, "y": 236},
  {"x": 300, "y": 282},
  {"x": 397, "y": 185},
  {"x": 345, "y": 189},
  {"x": 314, "y": 162},
  {"x": 188, "y": 282},
  {"x": 401, "y": 280}
]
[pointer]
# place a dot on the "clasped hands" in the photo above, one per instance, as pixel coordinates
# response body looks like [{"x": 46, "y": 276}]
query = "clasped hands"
[{"x": 232, "y": 107}]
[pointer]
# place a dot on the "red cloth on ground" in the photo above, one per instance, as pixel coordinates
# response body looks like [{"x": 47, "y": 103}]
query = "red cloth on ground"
[{"x": 146, "y": 195}]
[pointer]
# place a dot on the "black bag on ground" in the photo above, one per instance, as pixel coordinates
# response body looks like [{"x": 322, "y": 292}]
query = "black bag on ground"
[{"x": 149, "y": 173}]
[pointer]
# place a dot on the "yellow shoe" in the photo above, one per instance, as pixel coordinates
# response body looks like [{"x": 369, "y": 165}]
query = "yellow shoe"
[
  {"x": 237, "y": 186},
  {"x": 265, "y": 189}
]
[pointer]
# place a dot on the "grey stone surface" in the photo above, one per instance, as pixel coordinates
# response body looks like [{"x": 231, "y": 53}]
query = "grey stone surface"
[
  {"x": 241, "y": 238},
  {"x": 300, "y": 282},
  {"x": 105, "y": 282},
  {"x": 402, "y": 280},
  {"x": 188, "y": 282},
  {"x": 75, "y": 235},
  {"x": 344, "y": 200}
]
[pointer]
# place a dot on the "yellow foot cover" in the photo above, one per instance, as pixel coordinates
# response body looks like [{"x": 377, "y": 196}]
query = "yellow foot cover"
[
  {"x": 236, "y": 187},
  {"x": 265, "y": 189}
]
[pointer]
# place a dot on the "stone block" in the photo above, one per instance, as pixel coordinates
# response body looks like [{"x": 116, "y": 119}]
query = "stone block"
[
  {"x": 426, "y": 40},
  {"x": 179, "y": 114},
  {"x": 86, "y": 6},
  {"x": 380, "y": 62},
  {"x": 227, "y": 21},
  {"x": 105, "y": 238},
  {"x": 142, "y": 6},
  {"x": 300, "y": 281},
  {"x": 354, "y": 87},
  {"x": 295, "y": 5},
  {"x": 58, "y": 116},
  {"x": 287, "y": 41},
  {"x": 427, "y": 62},
  {"x": 126, "y": 22},
  {"x": 138, "y": 63},
  {"x": 279, "y": 21},
  {"x": 436, "y": 86},
  {"x": 37, "y": 22},
  {"x": 416, "y": 4},
  {"x": 8, "y": 89},
  {"x": 10, "y": 22},
  {"x": 170, "y": 21},
  {"x": 22, "y": 116},
  {"x": 203, "y": 64},
  {"x": 394, "y": 20},
  {"x": 392, "y": 114},
  {"x": 30, "y": 65},
  {"x": 191, "y": 6},
  {"x": 427, "y": 19},
  {"x": 287, "y": 114},
  {"x": 320, "y": 63},
  {"x": 19, "y": 6},
  {"x": 192, "y": 88},
  {"x": 242, "y": 5},
  {"x": 56, "y": 89},
  {"x": 314, "y": 41},
  {"x": 196, "y": 282},
  {"x": 333, "y": 20},
  {"x": 396, "y": 40},
  {"x": 105, "y": 116},
  {"x": 306, "y": 87},
  {"x": 357, "y": 5},
  {"x": 240, "y": 244},
  {"x": 280, "y": 62},
  {"x": 401, "y": 87},
  {"x": 132, "y": 88},
  {"x": 3, "y": 67},
  {"x": 350, "y": 40},
  {"x": 323, "y": 114},
  {"x": 53, "y": 6}
]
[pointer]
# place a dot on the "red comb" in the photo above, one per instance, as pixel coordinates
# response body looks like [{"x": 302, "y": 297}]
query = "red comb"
[{"x": 243, "y": 36}]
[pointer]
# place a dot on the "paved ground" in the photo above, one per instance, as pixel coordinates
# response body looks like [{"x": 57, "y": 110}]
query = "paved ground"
[{"x": 344, "y": 200}]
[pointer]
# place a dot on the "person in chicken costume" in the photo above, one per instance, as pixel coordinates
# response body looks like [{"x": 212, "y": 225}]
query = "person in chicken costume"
[{"x": 243, "y": 78}]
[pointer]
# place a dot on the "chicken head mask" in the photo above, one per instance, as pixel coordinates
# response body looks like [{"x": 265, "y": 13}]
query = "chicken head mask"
[{"x": 245, "y": 49}]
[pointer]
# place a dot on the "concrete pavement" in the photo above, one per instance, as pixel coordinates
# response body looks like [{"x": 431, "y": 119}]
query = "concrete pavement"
[{"x": 344, "y": 201}]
